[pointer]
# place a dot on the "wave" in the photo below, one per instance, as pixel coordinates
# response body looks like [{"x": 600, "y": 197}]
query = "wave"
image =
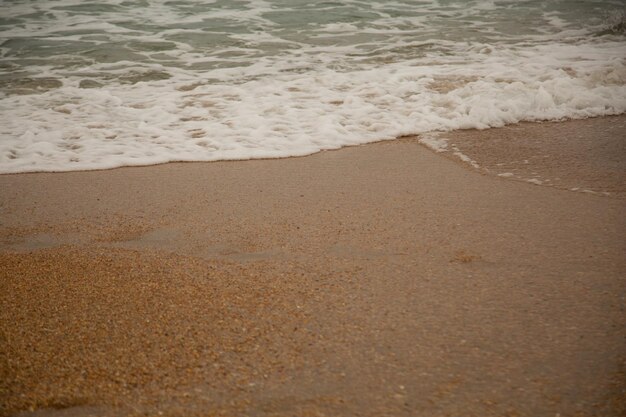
[{"x": 260, "y": 83}]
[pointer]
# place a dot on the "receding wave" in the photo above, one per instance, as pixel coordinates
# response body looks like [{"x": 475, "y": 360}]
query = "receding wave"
[{"x": 112, "y": 85}]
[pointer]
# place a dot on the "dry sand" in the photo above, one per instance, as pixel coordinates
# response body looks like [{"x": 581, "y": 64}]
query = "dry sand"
[{"x": 374, "y": 280}]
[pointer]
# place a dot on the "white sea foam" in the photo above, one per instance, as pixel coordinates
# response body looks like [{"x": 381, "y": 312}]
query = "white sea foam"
[
  {"x": 434, "y": 142},
  {"x": 275, "y": 89}
]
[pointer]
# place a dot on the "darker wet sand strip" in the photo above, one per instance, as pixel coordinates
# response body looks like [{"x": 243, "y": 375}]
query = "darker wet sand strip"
[
  {"x": 586, "y": 155},
  {"x": 375, "y": 280}
]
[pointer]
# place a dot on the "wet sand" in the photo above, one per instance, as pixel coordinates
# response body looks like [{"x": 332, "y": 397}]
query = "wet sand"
[
  {"x": 374, "y": 280},
  {"x": 587, "y": 155}
]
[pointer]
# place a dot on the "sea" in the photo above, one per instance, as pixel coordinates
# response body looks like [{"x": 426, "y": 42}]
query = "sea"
[{"x": 94, "y": 84}]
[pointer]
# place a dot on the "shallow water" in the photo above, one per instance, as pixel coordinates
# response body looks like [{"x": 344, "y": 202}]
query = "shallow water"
[{"x": 89, "y": 85}]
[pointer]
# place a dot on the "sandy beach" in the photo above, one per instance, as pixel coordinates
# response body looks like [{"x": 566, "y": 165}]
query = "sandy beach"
[{"x": 378, "y": 280}]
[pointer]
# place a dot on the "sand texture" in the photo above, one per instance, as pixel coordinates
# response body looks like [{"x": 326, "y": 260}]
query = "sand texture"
[{"x": 380, "y": 280}]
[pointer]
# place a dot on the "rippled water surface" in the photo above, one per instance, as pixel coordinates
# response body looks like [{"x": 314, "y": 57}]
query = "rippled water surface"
[{"x": 88, "y": 85}]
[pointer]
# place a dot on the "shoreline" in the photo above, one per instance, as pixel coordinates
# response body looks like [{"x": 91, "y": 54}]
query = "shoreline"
[
  {"x": 466, "y": 136},
  {"x": 375, "y": 279}
]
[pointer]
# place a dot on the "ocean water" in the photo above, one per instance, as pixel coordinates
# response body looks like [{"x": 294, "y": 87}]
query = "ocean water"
[{"x": 93, "y": 84}]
